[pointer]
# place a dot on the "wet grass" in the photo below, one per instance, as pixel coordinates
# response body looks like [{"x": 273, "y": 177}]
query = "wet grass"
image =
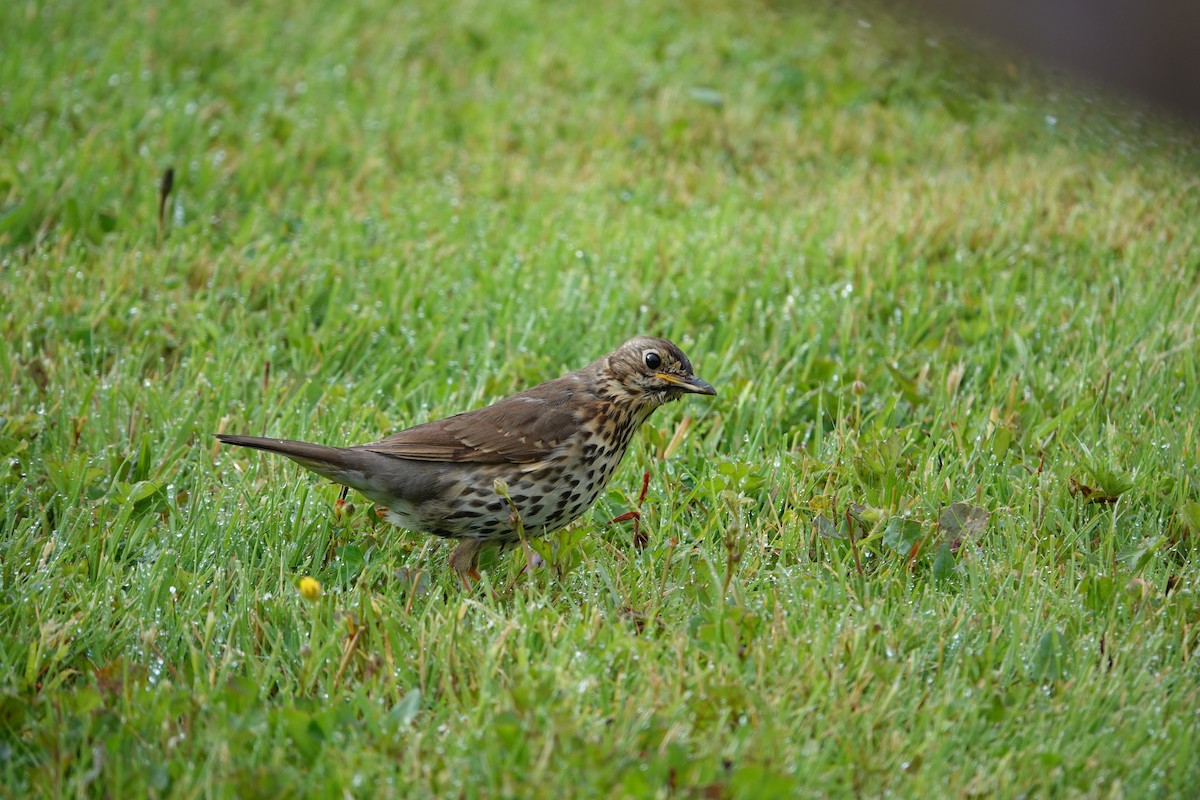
[{"x": 937, "y": 535}]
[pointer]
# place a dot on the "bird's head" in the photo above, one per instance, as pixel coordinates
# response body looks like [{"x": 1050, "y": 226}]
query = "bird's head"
[{"x": 653, "y": 371}]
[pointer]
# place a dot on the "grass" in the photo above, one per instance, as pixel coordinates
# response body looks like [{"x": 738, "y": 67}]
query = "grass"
[{"x": 936, "y": 536}]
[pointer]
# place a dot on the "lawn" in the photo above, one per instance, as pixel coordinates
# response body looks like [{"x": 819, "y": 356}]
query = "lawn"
[{"x": 936, "y": 536}]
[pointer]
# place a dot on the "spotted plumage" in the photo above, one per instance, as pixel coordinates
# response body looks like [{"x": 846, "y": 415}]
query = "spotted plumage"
[{"x": 555, "y": 446}]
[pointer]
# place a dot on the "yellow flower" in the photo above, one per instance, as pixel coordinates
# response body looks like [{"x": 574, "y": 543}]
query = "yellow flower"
[{"x": 310, "y": 588}]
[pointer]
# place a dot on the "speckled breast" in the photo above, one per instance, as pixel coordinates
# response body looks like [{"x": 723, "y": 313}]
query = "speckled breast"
[{"x": 548, "y": 495}]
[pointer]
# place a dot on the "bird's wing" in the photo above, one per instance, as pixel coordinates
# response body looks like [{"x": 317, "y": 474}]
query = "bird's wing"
[{"x": 521, "y": 429}]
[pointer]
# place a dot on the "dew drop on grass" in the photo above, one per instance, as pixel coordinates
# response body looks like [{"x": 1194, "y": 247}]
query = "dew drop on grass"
[{"x": 155, "y": 671}]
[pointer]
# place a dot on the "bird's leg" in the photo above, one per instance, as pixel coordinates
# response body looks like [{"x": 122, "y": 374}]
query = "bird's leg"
[
  {"x": 465, "y": 561},
  {"x": 470, "y": 578},
  {"x": 639, "y": 540},
  {"x": 339, "y": 508}
]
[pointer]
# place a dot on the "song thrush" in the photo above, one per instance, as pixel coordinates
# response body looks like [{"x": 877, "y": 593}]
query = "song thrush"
[{"x": 555, "y": 446}]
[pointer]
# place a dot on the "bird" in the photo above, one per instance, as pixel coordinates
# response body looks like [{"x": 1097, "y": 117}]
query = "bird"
[{"x": 529, "y": 464}]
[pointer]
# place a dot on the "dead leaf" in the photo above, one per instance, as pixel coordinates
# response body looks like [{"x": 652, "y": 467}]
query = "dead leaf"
[
  {"x": 1090, "y": 494},
  {"x": 962, "y": 521},
  {"x": 826, "y": 528}
]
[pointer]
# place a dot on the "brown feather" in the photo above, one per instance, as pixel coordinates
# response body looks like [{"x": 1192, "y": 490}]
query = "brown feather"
[{"x": 521, "y": 429}]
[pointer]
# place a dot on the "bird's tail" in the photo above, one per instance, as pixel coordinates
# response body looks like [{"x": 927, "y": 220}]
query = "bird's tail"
[{"x": 339, "y": 464}]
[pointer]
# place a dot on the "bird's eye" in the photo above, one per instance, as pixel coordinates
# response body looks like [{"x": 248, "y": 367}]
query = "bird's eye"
[{"x": 652, "y": 360}]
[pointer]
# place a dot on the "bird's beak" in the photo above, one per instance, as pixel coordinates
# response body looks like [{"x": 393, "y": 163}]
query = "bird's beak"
[{"x": 689, "y": 384}]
